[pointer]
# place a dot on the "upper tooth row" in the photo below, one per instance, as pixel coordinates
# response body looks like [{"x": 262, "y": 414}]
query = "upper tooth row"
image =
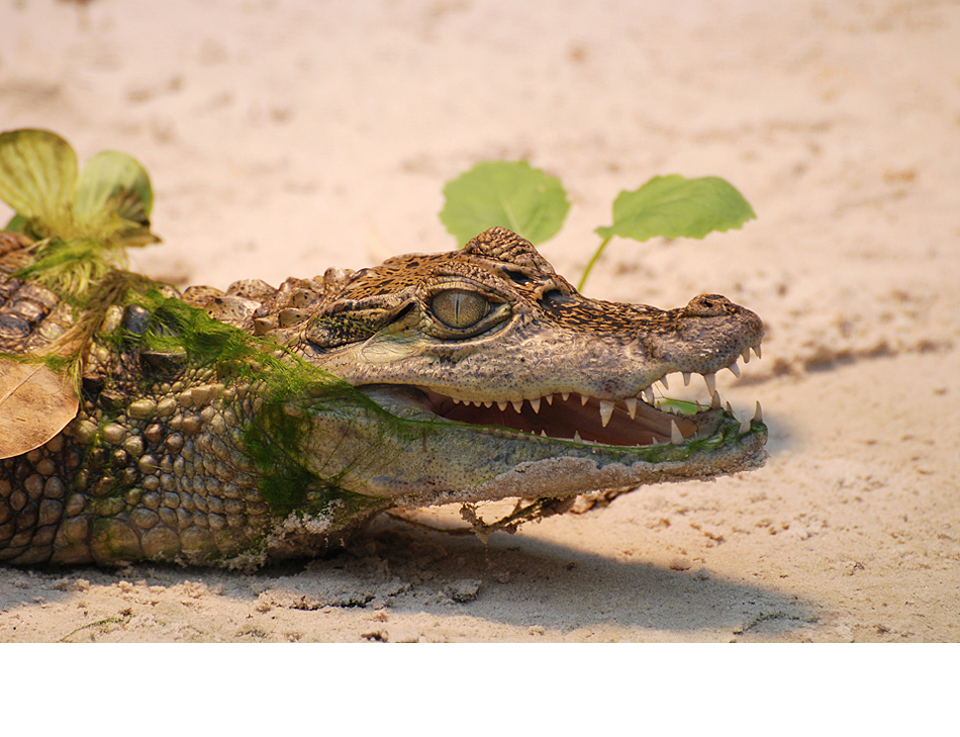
[{"x": 606, "y": 406}]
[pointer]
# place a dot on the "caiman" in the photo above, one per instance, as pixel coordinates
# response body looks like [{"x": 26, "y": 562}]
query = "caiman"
[{"x": 242, "y": 427}]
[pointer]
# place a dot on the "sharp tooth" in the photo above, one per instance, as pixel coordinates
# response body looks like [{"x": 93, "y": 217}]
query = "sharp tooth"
[
  {"x": 729, "y": 407},
  {"x": 744, "y": 423},
  {"x": 606, "y": 412},
  {"x": 699, "y": 406},
  {"x": 631, "y": 403},
  {"x": 488, "y": 404},
  {"x": 676, "y": 437},
  {"x": 745, "y": 354},
  {"x": 535, "y": 403},
  {"x": 456, "y": 401},
  {"x": 648, "y": 394},
  {"x": 576, "y": 437},
  {"x": 657, "y": 405},
  {"x": 517, "y": 405},
  {"x": 758, "y": 415},
  {"x": 477, "y": 403},
  {"x": 734, "y": 369},
  {"x": 543, "y": 433},
  {"x": 564, "y": 396},
  {"x": 686, "y": 378},
  {"x": 715, "y": 400},
  {"x": 583, "y": 400},
  {"x": 756, "y": 349},
  {"x": 502, "y": 405},
  {"x": 711, "y": 380},
  {"x": 549, "y": 398},
  {"x": 663, "y": 380}
]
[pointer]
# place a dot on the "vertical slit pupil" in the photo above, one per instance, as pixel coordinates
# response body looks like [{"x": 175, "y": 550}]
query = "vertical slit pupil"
[{"x": 458, "y": 308}]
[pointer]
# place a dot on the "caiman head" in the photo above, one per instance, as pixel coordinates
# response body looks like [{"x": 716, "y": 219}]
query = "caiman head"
[{"x": 508, "y": 365}]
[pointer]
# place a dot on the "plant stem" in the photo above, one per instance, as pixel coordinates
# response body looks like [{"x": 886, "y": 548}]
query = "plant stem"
[{"x": 593, "y": 260}]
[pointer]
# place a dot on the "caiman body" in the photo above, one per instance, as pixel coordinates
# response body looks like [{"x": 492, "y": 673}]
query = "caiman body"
[{"x": 243, "y": 427}]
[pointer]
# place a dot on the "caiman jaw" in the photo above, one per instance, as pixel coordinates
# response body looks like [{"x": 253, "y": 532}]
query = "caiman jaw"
[{"x": 627, "y": 422}]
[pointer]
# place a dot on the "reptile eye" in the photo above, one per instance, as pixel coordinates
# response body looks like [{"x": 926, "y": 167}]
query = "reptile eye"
[{"x": 458, "y": 308}]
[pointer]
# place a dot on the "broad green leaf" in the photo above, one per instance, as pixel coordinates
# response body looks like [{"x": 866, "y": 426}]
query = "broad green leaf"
[
  {"x": 677, "y": 207},
  {"x": 511, "y": 194},
  {"x": 36, "y": 403},
  {"x": 118, "y": 181},
  {"x": 38, "y": 171},
  {"x": 113, "y": 195}
]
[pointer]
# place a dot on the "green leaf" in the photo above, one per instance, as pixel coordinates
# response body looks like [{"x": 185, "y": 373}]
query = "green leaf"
[
  {"x": 677, "y": 207},
  {"x": 114, "y": 180},
  {"x": 511, "y": 194},
  {"x": 38, "y": 171},
  {"x": 114, "y": 196}
]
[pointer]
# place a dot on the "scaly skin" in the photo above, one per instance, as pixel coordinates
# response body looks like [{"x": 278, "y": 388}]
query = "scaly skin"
[{"x": 211, "y": 429}]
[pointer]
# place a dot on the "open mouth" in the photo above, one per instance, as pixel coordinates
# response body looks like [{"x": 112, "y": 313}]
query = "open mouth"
[
  {"x": 576, "y": 417},
  {"x": 630, "y": 422}
]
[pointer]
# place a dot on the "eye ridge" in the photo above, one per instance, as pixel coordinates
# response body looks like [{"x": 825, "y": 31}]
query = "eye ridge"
[{"x": 459, "y": 308}]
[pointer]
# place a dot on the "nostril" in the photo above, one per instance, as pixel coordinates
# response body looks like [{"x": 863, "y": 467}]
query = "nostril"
[
  {"x": 554, "y": 298},
  {"x": 517, "y": 277}
]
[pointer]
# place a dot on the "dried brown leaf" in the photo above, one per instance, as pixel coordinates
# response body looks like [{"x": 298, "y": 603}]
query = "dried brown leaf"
[{"x": 36, "y": 403}]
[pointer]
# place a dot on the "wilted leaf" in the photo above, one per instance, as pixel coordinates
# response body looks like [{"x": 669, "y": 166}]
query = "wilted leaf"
[
  {"x": 677, "y": 207},
  {"x": 511, "y": 194},
  {"x": 36, "y": 403},
  {"x": 38, "y": 171},
  {"x": 113, "y": 186}
]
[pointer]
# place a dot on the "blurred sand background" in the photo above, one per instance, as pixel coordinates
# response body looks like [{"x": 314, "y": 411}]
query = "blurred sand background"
[{"x": 284, "y": 137}]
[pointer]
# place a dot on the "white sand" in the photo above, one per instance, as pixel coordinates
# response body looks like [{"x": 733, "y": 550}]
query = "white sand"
[{"x": 286, "y": 137}]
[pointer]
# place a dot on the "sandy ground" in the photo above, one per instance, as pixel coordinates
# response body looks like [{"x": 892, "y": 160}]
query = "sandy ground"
[{"x": 286, "y": 137}]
